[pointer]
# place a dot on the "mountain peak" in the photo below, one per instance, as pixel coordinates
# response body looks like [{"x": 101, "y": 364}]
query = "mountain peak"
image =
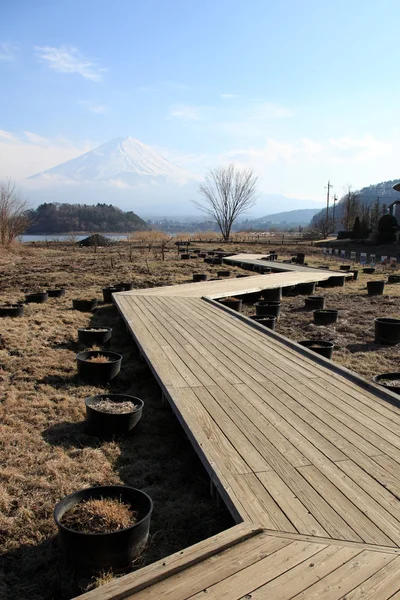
[{"x": 122, "y": 159}]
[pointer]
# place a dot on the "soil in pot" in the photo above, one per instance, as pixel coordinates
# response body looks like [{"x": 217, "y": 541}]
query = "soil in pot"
[
  {"x": 387, "y": 331},
  {"x": 56, "y": 293},
  {"x": 108, "y": 535},
  {"x": 37, "y": 297},
  {"x": 321, "y": 347},
  {"x": 268, "y": 307},
  {"x": 274, "y": 294},
  {"x": 266, "y": 320},
  {"x": 92, "y": 336},
  {"x": 375, "y": 288},
  {"x": 390, "y": 381},
  {"x": 112, "y": 415},
  {"x": 12, "y": 310},
  {"x": 98, "y": 365},
  {"x": 84, "y": 305},
  {"x": 231, "y": 302},
  {"x": 199, "y": 277},
  {"x": 314, "y": 303},
  {"x": 325, "y": 317}
]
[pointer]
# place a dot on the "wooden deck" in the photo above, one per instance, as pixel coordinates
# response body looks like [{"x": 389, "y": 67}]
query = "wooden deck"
[
  {"x": 256, "y": 259},
  {"x": 305, "y": 454}
]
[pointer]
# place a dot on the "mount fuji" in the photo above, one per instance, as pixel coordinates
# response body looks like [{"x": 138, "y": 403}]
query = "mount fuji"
[{"x": 123, "y": 171}]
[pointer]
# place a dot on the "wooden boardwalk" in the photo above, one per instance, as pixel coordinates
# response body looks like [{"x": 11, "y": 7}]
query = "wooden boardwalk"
[
  {"x": 305, "y": 454},
  {"x": 256, "y": 259}
]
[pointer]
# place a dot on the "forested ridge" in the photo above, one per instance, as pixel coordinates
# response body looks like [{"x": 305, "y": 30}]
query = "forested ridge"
[{"x": 67, "y": 218}]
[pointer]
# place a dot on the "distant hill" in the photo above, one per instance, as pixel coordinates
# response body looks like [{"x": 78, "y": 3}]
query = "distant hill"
[
  {"x": 383, "y": 191},
  {"x": 66, "y": 218},
  {"x": 291, "y": 217}
]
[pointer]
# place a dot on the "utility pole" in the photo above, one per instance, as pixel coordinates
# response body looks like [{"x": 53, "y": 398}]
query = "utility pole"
[
  {"x": 334, "y": 208},
  {"x": 328, "y": 187}
]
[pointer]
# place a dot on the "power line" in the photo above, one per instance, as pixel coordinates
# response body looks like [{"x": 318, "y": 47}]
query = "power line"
[{"x": 328, "y": 187}]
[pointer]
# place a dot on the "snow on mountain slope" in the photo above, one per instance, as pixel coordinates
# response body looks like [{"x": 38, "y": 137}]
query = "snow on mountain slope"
[{"x": 124, "y": 161}]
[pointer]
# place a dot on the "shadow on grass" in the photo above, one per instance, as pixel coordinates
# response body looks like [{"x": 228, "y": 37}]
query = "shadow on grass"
[{"x": 366, "y": 347}]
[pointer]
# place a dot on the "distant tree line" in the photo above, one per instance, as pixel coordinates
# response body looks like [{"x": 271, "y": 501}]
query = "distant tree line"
[{"x": 66, "y": 218}]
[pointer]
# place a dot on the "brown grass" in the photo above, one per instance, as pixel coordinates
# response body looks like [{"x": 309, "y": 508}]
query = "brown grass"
[
  {"x": 99, "y": 515},
  {"x": 100, "y": 358}
]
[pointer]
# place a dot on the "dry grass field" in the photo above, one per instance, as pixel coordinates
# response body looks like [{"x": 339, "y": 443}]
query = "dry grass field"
[{"x": 44, "y": 450}]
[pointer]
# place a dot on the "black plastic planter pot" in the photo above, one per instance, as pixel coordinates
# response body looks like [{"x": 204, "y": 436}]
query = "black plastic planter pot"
[
  {"x": 235, "y": 304},
  {"x": 202, "y": 255},
  {"x": 38, "y": 298},
  {"x": 107, "y": 293},
  {"x": 345, "y": 267},
  {"x": 325, "y": 317},
  {"x": 84, "y": 305},
  {"x": 107, "y": 425},
  {"x": 319, "y": 347},
  {"x": 337, "y": 281},
  {"x": 268, "y": 308},
  {"x": 103, "y": 551},
  {"x": 12, "y": 310},
  {"x": 287, "y": 290},
  {"x": 274, "y": 294},
  {"x": 323, "y": 267},
  {"x": 265, "y": 270},
  {"x": 223, "y": 273},
  {"x": 185, "y": 256},
  {"x": 241, "y": 275},
  {"x": 208, "y": 260},
  {"x": 305, "y": 288},
  {"x": 56, "y": 293},
  {"x": 314, "y": 303},
  {"x": 375, "y": 288},
  {"x": 199, "y": 277},
  {"x": 125, "y": 286},
  {"x": 387, "y": 331},
  {"x": 394, "y": 279},
  {"x": 266, "y": 320},
  {"x": 92, "y": 336},
  {"x": 98, "y": 372},
  {"x": 369, "y": 270},
  {"x": 389, "y": 381},
  {"x": 355, "y": 274}
]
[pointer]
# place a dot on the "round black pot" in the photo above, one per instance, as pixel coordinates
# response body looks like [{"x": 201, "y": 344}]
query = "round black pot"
[
  {"x": 106, "y": 425},
  {"x": 265, "y": 270},
  {"x": 355, "y": 274},
  {"x": 287, "y": 290},
  {"x": 273, "y": 294},
  {"x": 202, "y": 255},
  {"x": 208, "y": 260},
  {"x": 300, "y": 258},
  {"x": 314, "y": 303},
  {"x": 98, "y": 551},
  {"x": 345, "y": 267},
  {"x": 125, "y": 286},
  {"x": 323, "y": 267},
  {"x": 387, "y": 330},
  {"x": 394, "y": 279},
  {"x": 96, "y": 336},
  {"x": 269, "y": 308},
  {"x": 241, "y": 275},
  {"x": 375, "y": 288},
  {"x": 223, "y": 273},
  {"x": 369, "y": 270},
  {"x": 233, "y": 304},
  {"x": 84, "y": 305},
  {"x": 217, "y": 261},
  {"x": 12, "y": 310},
  {"x": 211, "y": 253},
  {"x": 305, "y": 288},
  {"x": 325, "y": 317},
  {"x": 337, "y": 281},
  {"x": 199, "y": 277},
  {"x": 382, "y": 377},
  {"x": 266, "y": 320},
  {"x": 108, "y": 291},
  {"x": 319, "y": 347},
  {"x": 185, "y": 256},
  {"x": 98, "y": 372},
  {"x": 38, "y": 298},
  {"x": 56, "y": 293}
]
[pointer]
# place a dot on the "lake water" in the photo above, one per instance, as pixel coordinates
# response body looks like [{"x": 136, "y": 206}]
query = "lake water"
[{"x": 63, "y": 238}]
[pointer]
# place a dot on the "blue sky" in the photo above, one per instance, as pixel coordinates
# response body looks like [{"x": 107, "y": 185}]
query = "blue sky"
[{"x": 302, "y": 91}]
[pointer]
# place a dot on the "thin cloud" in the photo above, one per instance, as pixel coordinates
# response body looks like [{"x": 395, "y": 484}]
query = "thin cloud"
[
  {"x": 99, "y": 109},
  {"x": 187, "y": 112},
  {"x": 229, "y": 96},
  {"x": 67, "y": 59},
  {"x": 7, "y": 52}
]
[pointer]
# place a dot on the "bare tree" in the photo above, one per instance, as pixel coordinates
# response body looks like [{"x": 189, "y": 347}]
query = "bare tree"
[
  {"x": 321, "y": 227},
  {"x": 13, "y": 217},
  {"x": 227, "y": 192},
  {"x": 351, "y": 208}
]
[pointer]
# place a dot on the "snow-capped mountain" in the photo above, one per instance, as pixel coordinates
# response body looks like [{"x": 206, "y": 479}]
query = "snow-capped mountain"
[{"x": 122, "y": 161}]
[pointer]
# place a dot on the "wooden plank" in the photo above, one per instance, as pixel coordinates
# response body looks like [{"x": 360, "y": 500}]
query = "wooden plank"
[
  {"x": 259, "y": 573},
  {"x": 342, "y": 497},
  {"x": 305, "y": 574},
  {"x": 383, "y": 584},
  {"x": 354, "y": 572},
  {"x": 173, "y": 564}
]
